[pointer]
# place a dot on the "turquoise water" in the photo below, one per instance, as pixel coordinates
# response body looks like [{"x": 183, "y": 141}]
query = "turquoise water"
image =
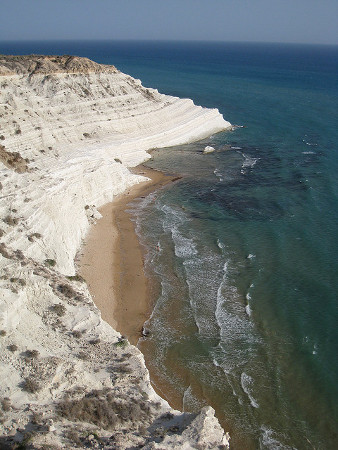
[{"x": 245, "y": 279}]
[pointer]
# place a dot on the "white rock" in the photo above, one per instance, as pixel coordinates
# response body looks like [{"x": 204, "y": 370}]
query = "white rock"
[
  {"x": 80, "y": 132},
  {"x": 208, "y": 149}
]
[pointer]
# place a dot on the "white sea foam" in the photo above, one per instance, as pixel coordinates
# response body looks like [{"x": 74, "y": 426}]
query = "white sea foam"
[
  {"x": 312, "y": 144},
  {"x": 220, "y": 298},
  {"x": 236, "y": 148},
  {"x": 172, "y": 217},
  {"x": 235, "y": 330},
  {"x": 190, "y": 401},
  {"x": 220, "y": 244},
  {"x": 172, "y": 222},
  {"x": 310, "y": 345},
  {"x": 218, "y": 174},
  {"x": 202, "y": 275},
  {"x": 246, "y": 383},
  {"x": 251, "y": 256},
  {"x": 186, "y": 397},
  {"x": 269, "y": 440},
  {"x": 184, "y": 247},
  {"x": 248, "y": 163},
  {"x": 248, "y": 298},
  {"x": 248, "y": 310},
  {"x": 215, "y": 362}
]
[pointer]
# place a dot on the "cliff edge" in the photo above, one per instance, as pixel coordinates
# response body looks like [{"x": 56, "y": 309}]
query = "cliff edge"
[{"x": 70, "y": 129}]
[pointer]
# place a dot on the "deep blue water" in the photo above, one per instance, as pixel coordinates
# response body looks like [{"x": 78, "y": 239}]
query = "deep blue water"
[{"x": 245, "y": 281}]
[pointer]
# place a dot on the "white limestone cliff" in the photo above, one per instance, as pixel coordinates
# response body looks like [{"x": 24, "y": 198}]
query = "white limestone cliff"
[{"x": 69, "y": 130}]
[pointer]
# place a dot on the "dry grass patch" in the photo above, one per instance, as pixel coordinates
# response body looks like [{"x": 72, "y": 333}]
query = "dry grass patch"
[
  {"x": 13, "y": 160},
  {"x": 104, "y": 410},
  {"x": 6, "y": 404},
  {"x": 12, "y": 348},
  {"x": 32, "y": 354},
  {"x": 83, "y": 355},
  {"x": 19, "y": 281},
  {"x": 74, "y": 437},
  {"x": 66, "y": 290},
  {"x": 59, "y": 309},
  {"x": 11, "y": 220},
  {"x": 77, "y": 334},
  {"x": 4, "y": 252},
  {"x": 31, "y": 385},
  {"x": 34, "y": 235}
]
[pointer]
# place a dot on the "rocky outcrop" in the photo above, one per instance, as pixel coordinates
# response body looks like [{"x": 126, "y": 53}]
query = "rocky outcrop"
[
  {"x": 70, "y": 128},
  {"x": 47, "y": 65}
]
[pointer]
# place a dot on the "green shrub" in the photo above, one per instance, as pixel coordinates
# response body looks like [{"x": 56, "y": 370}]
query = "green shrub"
[
  {"x": 122, "y": 343},
  {"x": 75, "y": 278},
  {"x": 50, "y": 262}
]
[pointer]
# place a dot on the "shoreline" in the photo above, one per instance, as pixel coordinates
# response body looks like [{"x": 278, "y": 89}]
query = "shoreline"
[{"x": 111, "y": 260}]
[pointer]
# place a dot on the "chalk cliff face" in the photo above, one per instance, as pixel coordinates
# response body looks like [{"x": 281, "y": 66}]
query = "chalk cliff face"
[{"x": 69, "y": 130}]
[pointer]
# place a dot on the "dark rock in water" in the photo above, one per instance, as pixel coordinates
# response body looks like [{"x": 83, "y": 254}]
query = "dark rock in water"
[{"x": 145, "y": 332}]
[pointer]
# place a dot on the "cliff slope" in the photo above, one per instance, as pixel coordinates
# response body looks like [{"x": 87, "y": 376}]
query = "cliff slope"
[{"x": 69, "y": 130}]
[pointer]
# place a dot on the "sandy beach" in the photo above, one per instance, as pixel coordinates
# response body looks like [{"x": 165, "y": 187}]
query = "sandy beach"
[{"x": 111, "y": 261}]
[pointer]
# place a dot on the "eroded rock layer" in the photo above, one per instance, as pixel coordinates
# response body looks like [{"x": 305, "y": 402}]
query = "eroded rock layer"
[{"x": 70, "y": 128}]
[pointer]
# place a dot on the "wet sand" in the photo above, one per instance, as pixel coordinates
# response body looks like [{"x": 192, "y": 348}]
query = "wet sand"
[{"x": 112, "y": 262}]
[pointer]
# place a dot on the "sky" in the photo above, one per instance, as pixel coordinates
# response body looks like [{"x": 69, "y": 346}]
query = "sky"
[{"x": 298, "y": 21}]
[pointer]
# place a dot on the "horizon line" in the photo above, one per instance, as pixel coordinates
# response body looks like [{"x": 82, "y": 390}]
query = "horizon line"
[{"x": 166, "y": 40}]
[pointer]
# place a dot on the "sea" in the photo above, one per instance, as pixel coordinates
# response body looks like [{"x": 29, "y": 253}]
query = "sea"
[{"x": 241, "y": 251}]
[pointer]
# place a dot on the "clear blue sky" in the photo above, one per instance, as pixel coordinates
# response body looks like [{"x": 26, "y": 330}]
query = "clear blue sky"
[{"x": 303, "y": 21}]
